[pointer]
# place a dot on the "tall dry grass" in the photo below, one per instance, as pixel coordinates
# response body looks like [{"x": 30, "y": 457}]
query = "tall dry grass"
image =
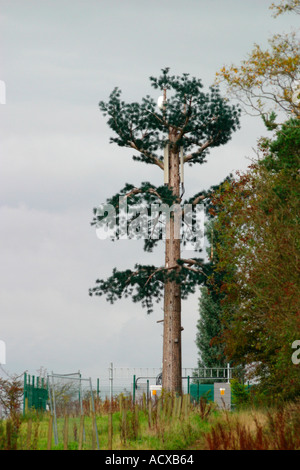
[{"x": 277, "y": 429}]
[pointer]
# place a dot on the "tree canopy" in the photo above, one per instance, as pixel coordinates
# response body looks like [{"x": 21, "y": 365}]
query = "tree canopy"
[
  {"x": 202, "y": 120},
  {"x": 191, "y": 121},
  {"x": 267, "y": 81},
  {"x": 258, "y": 224}
]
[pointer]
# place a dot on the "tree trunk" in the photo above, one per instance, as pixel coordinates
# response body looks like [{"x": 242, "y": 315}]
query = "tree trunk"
[{"x": 171, "y": 375}]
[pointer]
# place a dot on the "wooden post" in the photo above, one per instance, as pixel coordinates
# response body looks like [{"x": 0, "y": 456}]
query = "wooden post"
[
  {"x": 94, "y": 445},
  {"x": 50, "y": 430},
  {"x": 150, "y": 413},
  {"x": 159, "y": 409},
  {"x": 186, "y": 405},
  {"x": 123, "y": 416},
  {"x": 110, "y": 430},
  {"x": 29, "y": 431},
  {"x": 66, "y": 431},
  {"x": 81, "y": 431},
  {"x": 124, "y": 424},
  {"x": 177, "y": 406}
]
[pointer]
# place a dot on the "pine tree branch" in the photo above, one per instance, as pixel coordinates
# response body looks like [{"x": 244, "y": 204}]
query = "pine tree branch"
[
  {"x": 141, "y": 191},
  {"x": 189, "y": 261},
  {"x": 199, "y": 198},
  {"x": 149, "y": 155},
  {"x": 163, "y": 268},
  {"x": 193, "y": 155},
  {"x": 192, "y": 269},
  {"x": 146, "y": 283},
  {"x": 193, "y": 262},
  {"x": 161, "y": 120}
]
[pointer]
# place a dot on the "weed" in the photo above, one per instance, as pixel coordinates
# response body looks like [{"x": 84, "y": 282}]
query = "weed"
[
  {"x": 170, "y": 423},
  {"x": 278, "y": 431},
  {"x": 205, "y": 408}
]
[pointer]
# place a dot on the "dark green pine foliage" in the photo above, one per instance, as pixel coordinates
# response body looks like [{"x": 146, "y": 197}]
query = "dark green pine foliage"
[
  {"x": 211, "y": 351},
  {"x": 201, "y": 120},
  {"x": 209, "y": 325}
]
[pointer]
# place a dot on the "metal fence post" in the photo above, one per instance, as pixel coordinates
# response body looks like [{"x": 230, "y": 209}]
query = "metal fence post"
[
  {"x": 54, "y": 413},
  {"x": 24, "y": 393},
  {"x": 133, "y": 391},
  {"x": 111, "y": 381},
  {"x": 94, "y": 414},
  {"x": 148, "y": 390}
]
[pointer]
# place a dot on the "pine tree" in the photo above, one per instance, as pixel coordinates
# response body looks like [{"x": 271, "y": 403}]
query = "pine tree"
[{"x": 181, "y": 132}]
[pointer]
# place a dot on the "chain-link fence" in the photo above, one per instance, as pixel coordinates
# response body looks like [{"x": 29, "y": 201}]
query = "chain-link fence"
[
  {"x": 139, "y": 381},
  {"x": 71, "y": 396},
  {"x": 121, "y": 380}
]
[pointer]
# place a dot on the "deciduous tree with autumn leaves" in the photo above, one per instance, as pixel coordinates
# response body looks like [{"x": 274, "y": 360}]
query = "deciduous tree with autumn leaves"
[
  {"x": 259, "y": 252},
  {"x": 267, "y": 81},
  {"x": 255, "y": 276}
]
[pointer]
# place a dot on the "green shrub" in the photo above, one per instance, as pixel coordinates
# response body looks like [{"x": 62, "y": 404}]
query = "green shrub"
[{"x": 240, "y": 394}]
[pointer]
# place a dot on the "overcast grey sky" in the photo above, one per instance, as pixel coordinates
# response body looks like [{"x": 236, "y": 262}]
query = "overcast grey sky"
[{"x": 58, "y": 59}]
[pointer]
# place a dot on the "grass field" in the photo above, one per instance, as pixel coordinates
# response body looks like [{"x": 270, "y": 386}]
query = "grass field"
[{"x": 169, "y": 425}]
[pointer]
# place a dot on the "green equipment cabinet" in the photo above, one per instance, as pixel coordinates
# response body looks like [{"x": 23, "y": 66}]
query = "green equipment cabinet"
[
  {"x": 201, "y": 390},
  {"x": 35, "y": 393}
]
